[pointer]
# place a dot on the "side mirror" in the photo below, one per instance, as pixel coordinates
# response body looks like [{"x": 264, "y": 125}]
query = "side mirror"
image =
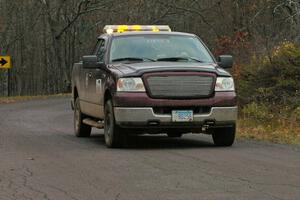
[
  {"x": 225, "y": 61},
  {"x": 90, "y": 61}
]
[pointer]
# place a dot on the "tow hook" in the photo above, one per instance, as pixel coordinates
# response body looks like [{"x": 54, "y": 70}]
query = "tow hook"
[{"x": 208, "y": 124}]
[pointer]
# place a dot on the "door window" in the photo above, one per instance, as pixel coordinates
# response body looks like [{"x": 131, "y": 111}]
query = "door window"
[{"x": 100, "y": 50}]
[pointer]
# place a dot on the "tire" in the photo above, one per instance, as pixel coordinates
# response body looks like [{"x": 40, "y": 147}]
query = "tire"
[
  {"x": 224, "y": 137},
  {"x": 80, "y": 129},
  {"x": 174, "y": 135},
  {"x": 112, "y": 133}
]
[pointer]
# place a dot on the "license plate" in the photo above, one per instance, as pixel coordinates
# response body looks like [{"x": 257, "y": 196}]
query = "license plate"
[{"x": 182, "y": 116}]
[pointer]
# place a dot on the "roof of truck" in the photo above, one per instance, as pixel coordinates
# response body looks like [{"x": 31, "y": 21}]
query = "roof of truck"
[{"x": 131, "y": 33}]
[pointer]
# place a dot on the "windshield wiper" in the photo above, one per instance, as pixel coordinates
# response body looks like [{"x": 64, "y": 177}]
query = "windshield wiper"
[
  {"x": 133, "y": 59},
  {"x": 179, "y": 59}
]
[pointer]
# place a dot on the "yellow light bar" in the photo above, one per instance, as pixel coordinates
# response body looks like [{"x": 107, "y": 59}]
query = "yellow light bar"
[{"x": 109, "y": 29}]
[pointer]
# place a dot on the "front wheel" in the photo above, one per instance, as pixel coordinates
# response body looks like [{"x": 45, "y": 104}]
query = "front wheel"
[
  {"x": 224, "y": 136},
  {"x": 112, "y": 133}
]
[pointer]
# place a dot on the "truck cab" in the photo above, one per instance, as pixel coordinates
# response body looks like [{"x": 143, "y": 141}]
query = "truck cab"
[{"x": 148, "y": 79}]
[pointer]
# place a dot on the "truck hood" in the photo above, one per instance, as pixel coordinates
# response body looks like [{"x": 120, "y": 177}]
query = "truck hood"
[{"x": 138, "y": 69}]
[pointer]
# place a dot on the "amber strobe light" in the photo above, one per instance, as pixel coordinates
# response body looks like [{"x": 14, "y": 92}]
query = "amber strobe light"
[{"x": 109, "y": 29}]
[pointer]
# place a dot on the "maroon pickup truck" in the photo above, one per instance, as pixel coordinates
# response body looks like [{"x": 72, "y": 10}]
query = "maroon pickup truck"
[{"x": 147, "y": 79}]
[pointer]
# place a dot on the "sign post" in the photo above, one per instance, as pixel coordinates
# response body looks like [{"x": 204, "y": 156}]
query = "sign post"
[{"x": 5, "y": 63}]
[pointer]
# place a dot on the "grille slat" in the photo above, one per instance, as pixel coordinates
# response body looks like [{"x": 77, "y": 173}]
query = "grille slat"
[{"x": 180, "y": 86}]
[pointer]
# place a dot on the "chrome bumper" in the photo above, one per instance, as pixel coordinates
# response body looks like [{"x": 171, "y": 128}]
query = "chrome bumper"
[{"x": 144, "y": 115}]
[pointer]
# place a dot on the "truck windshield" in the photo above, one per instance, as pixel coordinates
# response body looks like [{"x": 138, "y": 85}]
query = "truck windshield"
[{"x": 151, "y": 48}]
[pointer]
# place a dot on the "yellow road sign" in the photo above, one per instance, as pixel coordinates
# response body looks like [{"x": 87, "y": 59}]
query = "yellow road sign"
[{"x": 5, "y": 62}]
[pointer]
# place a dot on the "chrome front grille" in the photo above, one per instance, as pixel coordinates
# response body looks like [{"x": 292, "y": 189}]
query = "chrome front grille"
[{"x": 178, "y": 86}]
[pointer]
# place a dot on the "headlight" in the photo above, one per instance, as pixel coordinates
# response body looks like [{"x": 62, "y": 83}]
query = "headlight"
[
  {"x": 224, "y": 84},
  {"x": 130, "y": 85}
]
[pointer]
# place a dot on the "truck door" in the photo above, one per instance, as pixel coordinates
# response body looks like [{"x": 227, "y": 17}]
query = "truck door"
[{"x": 96, "y": 79}]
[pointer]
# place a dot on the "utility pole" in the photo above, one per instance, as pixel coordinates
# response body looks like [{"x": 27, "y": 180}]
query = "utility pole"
[{"x": 8, "y": 82}]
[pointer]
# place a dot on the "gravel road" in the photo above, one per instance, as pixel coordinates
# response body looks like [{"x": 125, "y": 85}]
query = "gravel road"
[{"x": 40, "y": 158}]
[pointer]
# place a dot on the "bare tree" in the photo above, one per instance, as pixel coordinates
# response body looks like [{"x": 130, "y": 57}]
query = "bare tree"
[{"x": 46, "y": 37}]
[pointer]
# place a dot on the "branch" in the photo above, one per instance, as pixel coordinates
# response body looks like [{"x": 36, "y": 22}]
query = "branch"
[
  {"x": 195, "y": 11},
  {"x": 80, "y": 12}
]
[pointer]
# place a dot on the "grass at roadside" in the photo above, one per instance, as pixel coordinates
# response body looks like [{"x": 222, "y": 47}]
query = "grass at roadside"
[
  {"x": 278, "y": 130},
  {"x": 5, "y": 100}
]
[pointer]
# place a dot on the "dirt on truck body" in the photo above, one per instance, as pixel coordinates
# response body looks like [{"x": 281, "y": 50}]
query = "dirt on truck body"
[{"x": 147, "y": 79}]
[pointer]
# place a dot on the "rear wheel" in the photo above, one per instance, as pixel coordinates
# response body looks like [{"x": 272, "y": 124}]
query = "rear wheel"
[
  {"x": 112, "y": 133},
  {"x": 80, "y": 129},
  {"x": 224, "y": 136}
]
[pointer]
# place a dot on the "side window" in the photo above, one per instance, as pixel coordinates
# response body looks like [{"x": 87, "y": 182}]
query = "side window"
[{"x": 100, "y": 50}]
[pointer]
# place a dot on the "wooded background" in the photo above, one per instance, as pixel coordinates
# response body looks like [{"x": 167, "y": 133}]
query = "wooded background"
[{"x": 45, "y": 37}]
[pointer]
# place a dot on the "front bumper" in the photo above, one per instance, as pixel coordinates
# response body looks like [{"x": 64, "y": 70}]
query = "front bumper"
[
  {"x": 141, "y": 99},
  {"x": 145, "y": 117}
]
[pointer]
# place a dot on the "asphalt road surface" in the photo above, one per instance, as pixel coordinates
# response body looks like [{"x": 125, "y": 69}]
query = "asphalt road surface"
[{"x": 40, "y": 158}]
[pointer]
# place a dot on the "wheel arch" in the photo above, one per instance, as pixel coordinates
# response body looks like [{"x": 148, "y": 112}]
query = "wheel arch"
[
  {"x": 107, "y": 95},
  {"x": 74, "y": 96},
  {"x": 75, "y": 93}
]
